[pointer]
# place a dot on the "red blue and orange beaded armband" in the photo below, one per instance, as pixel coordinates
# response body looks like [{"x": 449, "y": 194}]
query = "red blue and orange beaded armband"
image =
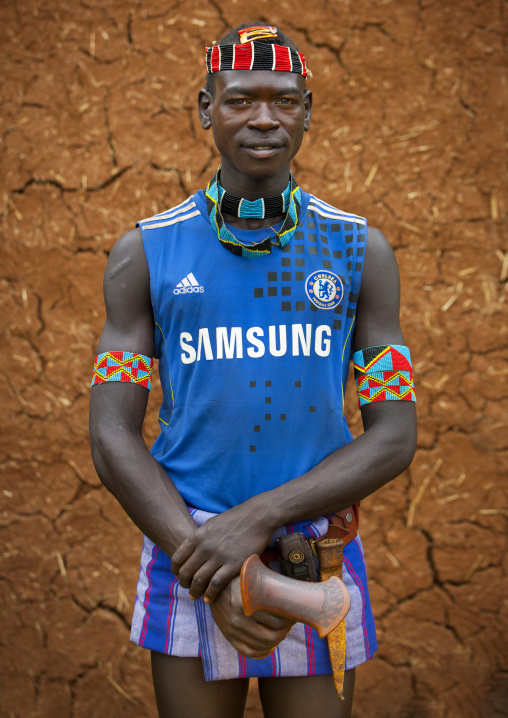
[
  {"x": 384, "y": 373},
  {"x": 123, "y": 366}
]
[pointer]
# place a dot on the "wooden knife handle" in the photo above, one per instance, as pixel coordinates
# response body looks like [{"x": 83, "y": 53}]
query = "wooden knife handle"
[{"x": 320, "y": 605}]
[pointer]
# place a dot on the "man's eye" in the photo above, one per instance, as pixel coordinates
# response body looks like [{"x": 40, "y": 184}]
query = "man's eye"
[
  {"x": 238, "y": 101},
  {"x": 286, "y": 101}
]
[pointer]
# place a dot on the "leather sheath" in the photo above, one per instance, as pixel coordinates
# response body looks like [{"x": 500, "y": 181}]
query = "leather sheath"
[
  {"x": 330, "y": 564},
  {"x": 342, "y": 529}
]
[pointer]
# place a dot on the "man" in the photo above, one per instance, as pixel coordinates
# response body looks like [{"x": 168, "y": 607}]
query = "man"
[{"x": 253, "y": 296}]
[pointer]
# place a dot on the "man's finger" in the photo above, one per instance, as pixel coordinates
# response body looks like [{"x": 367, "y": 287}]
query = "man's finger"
[
  {"x": 189, "y": 569},
  {"x": 181, "y": 555},
  {"x": 201, "y": 578},
  {"x": 250, "y": 652},
  {"x": 271, "y": 621},
  {"x": 258, "y": 636},
  {"x": 218, "y": 581},
  {"x": 261, "y": 640}
]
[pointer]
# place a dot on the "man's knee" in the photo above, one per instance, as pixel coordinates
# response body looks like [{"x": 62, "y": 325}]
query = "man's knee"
[
  {"x": 182, "y": 692},
  {"x": 308, "y": 695}
]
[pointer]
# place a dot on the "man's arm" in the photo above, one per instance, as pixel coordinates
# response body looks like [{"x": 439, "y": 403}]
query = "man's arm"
[
  {"x": 124, "y": 464},
  {"x": 214, "y": 554},
  {"x": 117, "y": 409},
  {"x": 387, "y": 446}
]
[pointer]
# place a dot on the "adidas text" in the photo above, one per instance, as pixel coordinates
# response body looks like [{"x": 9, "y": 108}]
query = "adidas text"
[{"x": 188, "y": 290}]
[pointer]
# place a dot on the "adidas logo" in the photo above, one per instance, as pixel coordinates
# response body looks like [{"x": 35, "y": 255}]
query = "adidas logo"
[{"x": 188, "y": 285}]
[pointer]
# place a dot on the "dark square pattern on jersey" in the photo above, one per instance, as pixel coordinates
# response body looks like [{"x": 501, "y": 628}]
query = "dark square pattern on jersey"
[{"x": 326, "y": 245}]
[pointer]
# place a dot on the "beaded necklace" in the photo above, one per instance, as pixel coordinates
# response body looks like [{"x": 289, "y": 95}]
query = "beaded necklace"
[
  {"x": 259, "y": 249},
  {"x": 259, "y": 209}
]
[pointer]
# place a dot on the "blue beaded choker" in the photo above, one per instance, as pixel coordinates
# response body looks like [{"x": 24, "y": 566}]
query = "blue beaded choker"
[
  {"x": 259, "y": 209},
  {"x": 259, "y": 249}
]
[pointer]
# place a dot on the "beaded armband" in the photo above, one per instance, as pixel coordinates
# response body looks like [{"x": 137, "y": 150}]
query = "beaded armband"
[
  {"x": 123, "y": 366},
  {"x": 384, "y": 373}
]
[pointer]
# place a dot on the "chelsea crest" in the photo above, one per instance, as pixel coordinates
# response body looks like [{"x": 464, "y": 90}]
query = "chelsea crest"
[{"x": 324, "y": 289}]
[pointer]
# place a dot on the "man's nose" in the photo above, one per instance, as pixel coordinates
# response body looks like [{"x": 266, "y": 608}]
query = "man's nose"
[{"x": 264, "y": 117}]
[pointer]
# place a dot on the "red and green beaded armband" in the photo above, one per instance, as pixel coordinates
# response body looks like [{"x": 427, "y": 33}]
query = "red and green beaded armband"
[
  {"x": 123, "y": 366},
  {"x": 384, "y": 373}
]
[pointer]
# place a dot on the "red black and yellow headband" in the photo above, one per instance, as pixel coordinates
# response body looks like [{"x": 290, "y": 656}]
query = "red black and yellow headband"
[{"x": 253, "y": 54}]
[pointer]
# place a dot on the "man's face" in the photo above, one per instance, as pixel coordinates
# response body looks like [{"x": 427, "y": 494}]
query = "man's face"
[{"x": 258, "y": 119}]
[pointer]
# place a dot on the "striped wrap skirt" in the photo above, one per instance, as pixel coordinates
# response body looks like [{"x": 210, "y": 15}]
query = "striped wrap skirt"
[{"x": 167, "y": 620}]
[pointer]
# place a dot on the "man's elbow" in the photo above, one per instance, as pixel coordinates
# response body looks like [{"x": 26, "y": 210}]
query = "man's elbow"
[
  {"x": 108, "y": 446},
  {"x": 406, "y": 452},
  {"x": 393, "y": 427},
  {"x": 403, "y": 447},
  {"x": 100, "y": 450}
]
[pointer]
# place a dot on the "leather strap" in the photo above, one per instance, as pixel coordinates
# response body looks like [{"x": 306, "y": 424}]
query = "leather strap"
[
  {"x": 344, "y": 524},
  {"x": 296, "y": 558}
]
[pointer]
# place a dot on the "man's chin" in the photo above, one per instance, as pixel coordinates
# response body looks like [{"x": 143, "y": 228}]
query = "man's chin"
[{"x": 264, "y": 169}]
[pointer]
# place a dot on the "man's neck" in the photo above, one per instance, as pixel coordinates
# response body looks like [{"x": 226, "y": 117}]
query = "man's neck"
[{"x": 251, "y": 188}]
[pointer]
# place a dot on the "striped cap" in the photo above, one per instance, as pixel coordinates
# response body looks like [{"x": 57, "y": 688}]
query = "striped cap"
[{"x": 255, "y": 55}]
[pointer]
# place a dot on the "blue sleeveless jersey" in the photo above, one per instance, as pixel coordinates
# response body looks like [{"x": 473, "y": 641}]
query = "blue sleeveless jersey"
[{"x": 253, "y": 353}]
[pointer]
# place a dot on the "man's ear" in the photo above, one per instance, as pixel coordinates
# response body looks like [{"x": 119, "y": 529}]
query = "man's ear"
[
  {"x": 205, "y": 102},
  {"x": 307, "y": 103}
]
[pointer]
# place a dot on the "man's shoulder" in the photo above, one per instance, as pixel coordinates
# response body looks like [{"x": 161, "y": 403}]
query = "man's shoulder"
[
  {"x": 328, "y": 211},
  {"x": 378, "y": 247},
  {"x": 128, "y": 246},
  {"x": 127, "y": 258},
  {"x": 180, "y": 213}
]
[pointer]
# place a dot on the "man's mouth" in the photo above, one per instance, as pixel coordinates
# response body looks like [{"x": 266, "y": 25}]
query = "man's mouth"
[
  {"x": 263, "y": 144},
  {"x": 263, "y": 149}
]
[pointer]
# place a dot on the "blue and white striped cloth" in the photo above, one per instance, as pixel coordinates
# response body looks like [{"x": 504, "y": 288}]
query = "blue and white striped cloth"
[{"x": 166, "y": 619}]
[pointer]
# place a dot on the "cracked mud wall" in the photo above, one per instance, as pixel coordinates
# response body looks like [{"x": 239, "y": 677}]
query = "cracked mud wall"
[{"x": 98, "y": 129}]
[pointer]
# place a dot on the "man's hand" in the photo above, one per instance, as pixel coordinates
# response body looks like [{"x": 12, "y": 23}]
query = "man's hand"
[
  {"x": 209, "y": 559},
  {"x": 253, "y": 636}
]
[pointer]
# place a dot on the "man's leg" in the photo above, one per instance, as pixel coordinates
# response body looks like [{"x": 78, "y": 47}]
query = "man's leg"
[
  {"x": 182, "y": 692},
  {"x": 304, "y": 697}
]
